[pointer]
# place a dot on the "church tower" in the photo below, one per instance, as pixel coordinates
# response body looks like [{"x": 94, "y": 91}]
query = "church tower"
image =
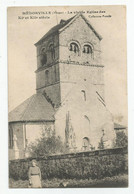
[{"x": 69, "y": 54}]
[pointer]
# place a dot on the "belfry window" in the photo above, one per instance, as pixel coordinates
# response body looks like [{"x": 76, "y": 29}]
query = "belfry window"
[
  {"x": 87, "y": 49},
  {"x": 52, "y": 51},
  {"x": 74, "y": 47},
  {"x": 47, "y": 77},
  {"x": 84, "y": 94},
  {"x": 43, "y": 57}
]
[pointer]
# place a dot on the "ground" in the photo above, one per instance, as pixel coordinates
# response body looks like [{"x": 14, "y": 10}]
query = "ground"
[{"x": 115, "y": 181}]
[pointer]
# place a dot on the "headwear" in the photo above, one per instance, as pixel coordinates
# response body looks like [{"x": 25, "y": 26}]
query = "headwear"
[{"x": 34, "y": 161}]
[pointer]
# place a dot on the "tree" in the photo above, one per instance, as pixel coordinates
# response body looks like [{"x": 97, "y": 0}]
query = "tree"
[
  {"x": 101, "y": 144},
  {"x": 47, "y": 146},
  {"x": 121, "y": 139}
]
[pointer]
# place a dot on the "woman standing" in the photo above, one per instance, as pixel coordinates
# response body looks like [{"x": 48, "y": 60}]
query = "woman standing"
[{"x": 34, "y": 175}]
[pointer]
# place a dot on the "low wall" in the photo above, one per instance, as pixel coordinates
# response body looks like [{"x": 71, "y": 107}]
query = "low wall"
[{"x": 92, "y": 164}]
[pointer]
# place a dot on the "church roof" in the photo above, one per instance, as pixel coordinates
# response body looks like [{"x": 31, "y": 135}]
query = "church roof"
[
  {"x": 35, "y": 108},
  {"x": 64, "y": 23},
  {"x": 118, "y": 126}
]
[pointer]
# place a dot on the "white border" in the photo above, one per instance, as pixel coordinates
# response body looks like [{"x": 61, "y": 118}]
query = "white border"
[{"x": 4, "y": 99}]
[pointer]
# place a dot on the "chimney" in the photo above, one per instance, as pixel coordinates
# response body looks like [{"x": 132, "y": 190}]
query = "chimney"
[{"x": 62, "y": 21}]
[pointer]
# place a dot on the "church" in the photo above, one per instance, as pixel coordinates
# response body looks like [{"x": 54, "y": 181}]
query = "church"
[{"x": 69, "y": 94}]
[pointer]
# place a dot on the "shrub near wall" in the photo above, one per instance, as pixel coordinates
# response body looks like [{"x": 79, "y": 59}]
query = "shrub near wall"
[{"x": 93, "y": 164}]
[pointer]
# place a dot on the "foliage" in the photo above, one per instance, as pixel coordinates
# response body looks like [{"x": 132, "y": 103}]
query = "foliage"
[
  {"x": 101, "y": 144},
  {"x": 121, "y": 139},
  {"x": 46, "y": 146},
  {"x": 102, "y": 163}
]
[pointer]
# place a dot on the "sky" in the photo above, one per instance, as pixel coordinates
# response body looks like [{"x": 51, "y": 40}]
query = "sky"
[{"x": 24, "y": 33}]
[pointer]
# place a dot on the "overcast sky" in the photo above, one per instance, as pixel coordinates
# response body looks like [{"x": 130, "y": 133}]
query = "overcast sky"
[{"x": 23, "y": 33}]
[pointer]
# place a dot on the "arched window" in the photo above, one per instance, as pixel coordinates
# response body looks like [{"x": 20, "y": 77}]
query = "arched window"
[
  {"x": 74, "y": 47},
  {"x": 87, "y": 49},
  {"x": 47, "y": 77},
  {"x": 84, "y": 94},
  {"x": 43, "y": 57},
  {"x": 85, "y": 143},
  {"x": 52, "y": 51}
]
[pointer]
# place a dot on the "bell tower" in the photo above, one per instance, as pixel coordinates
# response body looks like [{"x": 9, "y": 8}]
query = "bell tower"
[
  {"x": 47, "y": 73},
  {"x": 69, "y": 54}
]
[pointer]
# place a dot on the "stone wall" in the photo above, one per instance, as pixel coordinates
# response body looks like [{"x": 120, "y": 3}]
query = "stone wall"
[
  {"x": 54, "y": 40},
  {"x": 76, "y": 73},
  {"x": 53, "y": 76},
  {"x": 81, "y": 33},
  {"x": 77, "y": 67},
  {"x": 88, "y": 117},
  {"x": 93, "y": 164}
]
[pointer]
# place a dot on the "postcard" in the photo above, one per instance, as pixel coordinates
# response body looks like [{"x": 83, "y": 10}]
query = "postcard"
[{"x": 67, "y": 72}]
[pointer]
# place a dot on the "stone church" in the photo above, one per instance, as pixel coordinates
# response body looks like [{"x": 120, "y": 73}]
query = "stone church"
[{"x": 69, "y": 92}]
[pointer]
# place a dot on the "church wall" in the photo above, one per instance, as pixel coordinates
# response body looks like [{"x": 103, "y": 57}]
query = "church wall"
[
  {"x": 65, "y": 54},
  {"x": 18, "y": 131},
  {"x": 80, "y": 32},
  {"x": 53, "y": 92},
  {"x": 27, "y": 133},
  {"x": 80, "y": 67},
  {"x": 81, "y": 73},
  {"x": 84, "y": 128},
  {"x": 88, "y": 117},
  {"x": 65, "y": 88},
  {"x": 34, "y": 130},
  {"x": 54, "y": 39},
  {"x": 100, "y": 89},
  {"x": 71, "y": 74},
  {"x": 43, "y": 80},
  {"x": 49, "y": 84}
]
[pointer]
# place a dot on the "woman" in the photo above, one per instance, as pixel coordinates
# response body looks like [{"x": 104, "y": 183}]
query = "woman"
[{"x": 34, "y": 175}]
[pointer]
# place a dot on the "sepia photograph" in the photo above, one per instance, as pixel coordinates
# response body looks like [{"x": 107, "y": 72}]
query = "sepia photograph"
[{"x": 67, "y": 97}]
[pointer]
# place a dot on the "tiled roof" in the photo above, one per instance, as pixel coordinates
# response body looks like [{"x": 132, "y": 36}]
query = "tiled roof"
[
  {"x": 118, "y": 126},
  {"x": 62, "y": 24},
  {"x": 35, "y": 108}
]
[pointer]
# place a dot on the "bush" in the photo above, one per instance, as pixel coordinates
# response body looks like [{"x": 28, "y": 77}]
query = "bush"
[
  {"x": 101, "y": 144},
  {"x": 106, "y": 163},
  {"x": 121, "y": 139},
  {"x": 46, "y": 146}
]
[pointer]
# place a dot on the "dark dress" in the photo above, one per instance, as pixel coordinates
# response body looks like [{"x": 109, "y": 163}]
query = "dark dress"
[{"x": 34, "y": 175}]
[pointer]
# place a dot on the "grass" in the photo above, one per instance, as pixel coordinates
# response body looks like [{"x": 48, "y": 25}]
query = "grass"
[{"x": 115, "y": 181}]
